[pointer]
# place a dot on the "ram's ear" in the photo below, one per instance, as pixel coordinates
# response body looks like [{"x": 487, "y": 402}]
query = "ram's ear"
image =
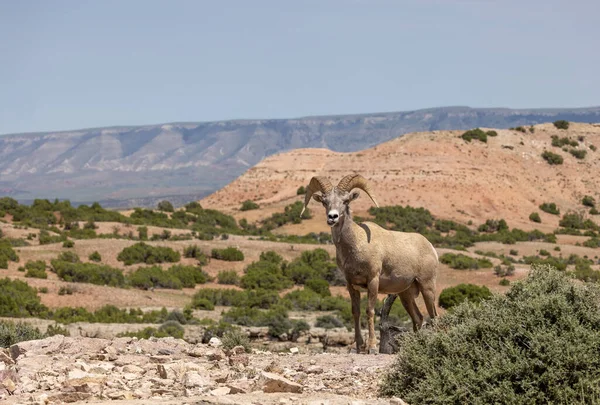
[
  {"x": 353, "y": 196},
  {"x": 318, "y": 198}
]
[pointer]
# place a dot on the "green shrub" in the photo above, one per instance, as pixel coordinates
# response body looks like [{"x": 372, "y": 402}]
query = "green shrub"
[
  {"x": 143, "y": 232},
  {"x": 36, "y": 269},
  {"x": 574, "y": 220},
  {"x": 189, "y": 275},
  {"x": 154, "y": 277},
  {"x": 476, "y": 133},
  {"x": 45, "y": 238},
  {"x": 65, "y": 290},
  {"x": 491, "y": 133},
  {"x": 462, "y": 262},
  {"x": 95, "y": 257},
  {"x": 452, "y": 296},
  {"x": 88, "y": 273},
  {"x": 550, "y": 208},
  {"x": 229, "y": 277},
  {"x": 235, "y": 337},
  {"x": 165, "y": 206},
  {"x": 328, "y": 322},
  {"x": 493, "y": 225},
  {"x": 564, "y": 141},
  {"x": 7, "y": 254},
  {"x": 561, "y": 124},
  {"x": 291, "y": 214},
  {"x": 301, "y": 190},
  {"x": 298, "y": 326},
  {"x": 319, "y": 286},
  {"x": 249, "y": 205},
  {"x": 70, "y": 257},
  {"x": 203, "y": 304},
  {"x": 592, "y": 242},
  {"x": 552, "y": 158},
  {"x": 19, "y": 300},
  {"x": 143, "y": 253},
  {"x": 43, "y": 290},
  {"x": 192, "y": 251},
  {"x": 513, "y": 252},
  {"x": 578, "y": 153},
  {"x": 535, "y": 344},
  {"x": 68, "y": 243},
  {"x": 593, "y": 148},
  {"x": 544, "y": 252},
  {"x": 504, "y": 282},
  {"x": 535, "y": 217},
  {"x": 265, "y": 275},
  {"x": 271, "y": 256},
  {"x": 229, "y": 254},
  {"x": 11, "y": 333},
  {"x": 56, "y": 329},
  {"x": 588, "y": 201},
  {"x": 223, "y": 297},
  {"x": 594, "y": 211}
]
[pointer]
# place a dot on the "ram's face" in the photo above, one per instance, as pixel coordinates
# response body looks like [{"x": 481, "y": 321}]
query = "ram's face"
[{"x": 336, "y": 204}]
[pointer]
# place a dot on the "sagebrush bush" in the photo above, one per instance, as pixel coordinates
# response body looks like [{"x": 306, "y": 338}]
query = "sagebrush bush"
[
  {"x": 229, "y": 254},
  {"x": 588, "y": 201},
  {"x": 36, "y": 269},
  {"x": 7, "y": 254},
  {"x": 143, "y": 253},
  {"x": 452, "y": 296},
  {"x": 189, "y": 275},
  {"x": 19, "y": 300},
  {"x": 235, "y": 337},
  {"x": 11, "y": 333},
  {"x": 265, "y": 275},
  {"x": 561, "y": 124},
  {"x": 535, "y": 217},
  {"x": 328, "y": 322},
  {"x": 476, "y": 133},
  {"x": 229, "y": 277},
  {"x": 165, "y": 206},
  {"x": 88, "y": 273},
  {"x": 462, "y": 262},
  {"x": 248, "y": 205},
  {"x": 552, "y": 158},
  {"x": 550, "y": 208},
  {"x": 536, "y": 344},
  {"x": 154, "y": 277},
  {"x": 95, "y": 257}
]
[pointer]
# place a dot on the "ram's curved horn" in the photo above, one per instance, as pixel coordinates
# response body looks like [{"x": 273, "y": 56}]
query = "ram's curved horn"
[
  {"x": 355, "y": 181},
  {"x": 317, "y": 183}
]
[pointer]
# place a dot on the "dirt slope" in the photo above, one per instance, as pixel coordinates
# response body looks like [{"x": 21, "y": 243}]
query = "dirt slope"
[{"x": 503, "y": 178}]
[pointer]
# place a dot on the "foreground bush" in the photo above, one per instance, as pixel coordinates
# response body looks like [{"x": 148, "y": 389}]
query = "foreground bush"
[
  {"x": 19, "y": 300},
  {"x": 143, "y": 253},
  {"x": 552, "y": 158},
  {"x": 7, "y": 253},
  {"x": 536, "y": 344}
]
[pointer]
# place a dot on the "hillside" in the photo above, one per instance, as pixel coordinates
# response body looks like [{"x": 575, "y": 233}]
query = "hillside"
[
  {"x": 136, "y": 166},
  {"x": 465, "y": 181}
]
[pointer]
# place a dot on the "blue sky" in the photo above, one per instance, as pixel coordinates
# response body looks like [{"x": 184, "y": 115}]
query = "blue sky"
[{"x": 80, "y": 64}]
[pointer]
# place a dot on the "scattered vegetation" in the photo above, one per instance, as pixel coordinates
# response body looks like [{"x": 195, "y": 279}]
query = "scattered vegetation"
[
  {"x": 235, "y": 337},
  {"x": 578, "y": 153},
  {"x": 165, "y": 206},
  {"x": 36, "y": 269},
  {"x": 11, "y": 333},
  {"x": 301, "y": 190},
  {"x": 7, "y": 254},
  {"x": 564, "y": 141}
]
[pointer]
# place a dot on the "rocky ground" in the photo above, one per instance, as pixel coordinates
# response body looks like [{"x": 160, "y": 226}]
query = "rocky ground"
[{"x": 171, "y": 371}]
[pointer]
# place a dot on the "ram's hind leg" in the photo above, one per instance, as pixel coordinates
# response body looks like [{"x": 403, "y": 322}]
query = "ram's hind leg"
[
  {"x": 428, "y": 290},
  {"x": 355, "y": 300},
  {"x": 407, "y": 297}
]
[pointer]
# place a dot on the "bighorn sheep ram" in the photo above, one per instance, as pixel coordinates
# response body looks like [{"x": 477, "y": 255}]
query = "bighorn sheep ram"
[{"x": 382, "y": 261}]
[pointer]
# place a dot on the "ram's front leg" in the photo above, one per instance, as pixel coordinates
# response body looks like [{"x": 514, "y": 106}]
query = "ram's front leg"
[
  {"x": 372, "y": 290},
  {"x": 355, "y": 300}
]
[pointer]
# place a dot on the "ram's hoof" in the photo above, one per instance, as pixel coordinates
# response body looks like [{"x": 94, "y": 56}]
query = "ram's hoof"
[{"x": 373, "y": 351}]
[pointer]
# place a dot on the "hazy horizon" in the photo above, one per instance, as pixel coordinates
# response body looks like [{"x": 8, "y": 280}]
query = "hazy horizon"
[{"x": 67, "y": 65}]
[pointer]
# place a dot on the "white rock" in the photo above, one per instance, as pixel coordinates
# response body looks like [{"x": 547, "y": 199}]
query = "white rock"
[
  {"x": 192, "y": 379},
  {"x": 132, "y": 368},
  {"x": 219, "y": 392},
  {"x": 215, "y": 342},
  {"x": 294, "y": 350},
  {"x": 270, "y": 382}
]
